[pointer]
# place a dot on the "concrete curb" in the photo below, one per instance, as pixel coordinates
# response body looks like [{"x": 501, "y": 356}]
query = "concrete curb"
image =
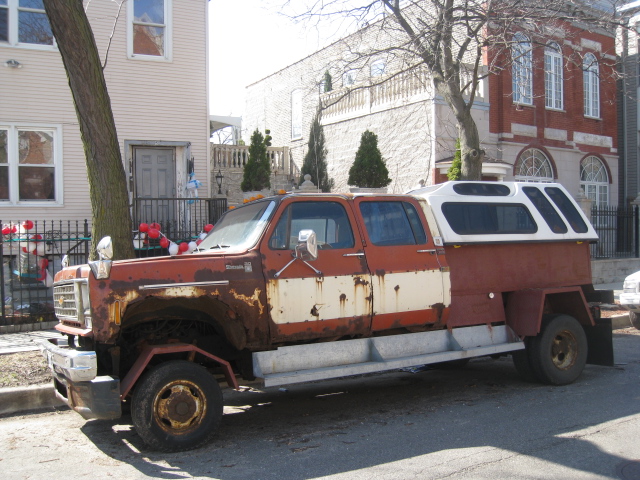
[
  {"x": 21, "y": 399},
  {"x": 28, "y": 327}
]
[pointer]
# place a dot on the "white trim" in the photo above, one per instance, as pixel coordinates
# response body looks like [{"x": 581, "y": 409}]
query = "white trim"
[
  {"x": 168, "y": 34},
  {"x": 13, "y": 159},
  {"x": 553, "y": 77},
  {"x": 13, "y": 8},
  {"x": 522, "y": 70},
  {"x": 591, "y": 85}
]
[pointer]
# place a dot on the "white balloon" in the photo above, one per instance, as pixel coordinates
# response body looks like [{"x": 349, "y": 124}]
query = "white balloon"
[
  {"x": 173, "y": 249},
  {"x": 137, "y": 243},
  {"x": 41, "y": 249},
  {"x": 192, "y": 246}
]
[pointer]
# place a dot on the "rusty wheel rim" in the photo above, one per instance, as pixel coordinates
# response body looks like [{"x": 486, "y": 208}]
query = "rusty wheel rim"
[
  {"x": 564, "y": 350},
  {"x": 180, "y": 407}
]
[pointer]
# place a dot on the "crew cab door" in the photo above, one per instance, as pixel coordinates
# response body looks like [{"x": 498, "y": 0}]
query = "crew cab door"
[
  {"x": 327, "y": 297},
  {"x": 408, "y": 277}
]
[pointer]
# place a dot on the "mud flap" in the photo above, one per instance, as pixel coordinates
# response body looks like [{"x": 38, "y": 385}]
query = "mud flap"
[{"x": 600, "y": 343}]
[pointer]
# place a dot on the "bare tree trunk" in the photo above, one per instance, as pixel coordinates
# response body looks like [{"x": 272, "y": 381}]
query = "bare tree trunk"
[{"x": 107, "y": 179}]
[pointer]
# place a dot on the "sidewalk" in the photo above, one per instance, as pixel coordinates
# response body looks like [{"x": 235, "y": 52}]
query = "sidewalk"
[{"x": 24, "y": 341}]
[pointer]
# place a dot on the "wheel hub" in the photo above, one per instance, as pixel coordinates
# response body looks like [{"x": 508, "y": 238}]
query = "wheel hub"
[
  {"x": 564, "y": 350},
  {"x": 179, "y": 407}
]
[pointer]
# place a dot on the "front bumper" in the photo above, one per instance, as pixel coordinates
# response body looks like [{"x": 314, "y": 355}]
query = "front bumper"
[{"x": 77, "y": 384}]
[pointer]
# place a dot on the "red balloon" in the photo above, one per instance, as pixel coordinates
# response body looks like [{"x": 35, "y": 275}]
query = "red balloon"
[
  {"x": 198, "y": 241},
  {"x": 36, "y": 237},
  {"x": 6, "y": 230},
  {"x": 184, "y": 246},
  {"x": 143, "y": 228},
  {"x": 164, "y": 242},
  {"x": 208, "y": 227},
  {"x": 27, "y": 224},
  {"x": 44, "y": 263},
  {"x": 24, "y": 249},
  {"x": 14, "y": 229},
  {"x": 156, "y": 226},
  {"x": 153, "y": 233}
]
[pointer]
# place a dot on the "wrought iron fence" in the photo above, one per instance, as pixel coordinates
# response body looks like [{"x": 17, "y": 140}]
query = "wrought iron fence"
[
  {"x": 617, "y": 228},
  {"x": 31, "y": 253}
]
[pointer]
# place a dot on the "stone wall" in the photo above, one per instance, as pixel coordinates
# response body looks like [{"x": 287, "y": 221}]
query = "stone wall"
[{"x": 613, "y": 271}]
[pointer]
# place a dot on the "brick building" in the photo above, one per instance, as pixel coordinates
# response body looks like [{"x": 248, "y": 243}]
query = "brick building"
[{"x": 535, "y": 118}]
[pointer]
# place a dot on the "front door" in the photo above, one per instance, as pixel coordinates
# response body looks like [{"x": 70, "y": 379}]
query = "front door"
[
  {"x": 326, "y": 298},
  {"x": 408, "y": 275},
  {"x": 155, "y": 184}
]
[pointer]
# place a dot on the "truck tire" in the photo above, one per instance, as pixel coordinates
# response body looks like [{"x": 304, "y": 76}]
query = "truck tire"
[
  {"x": 176, "y": 406},
  {"x": 634, "y": 318},
  {"x": 558, "y": 353}
]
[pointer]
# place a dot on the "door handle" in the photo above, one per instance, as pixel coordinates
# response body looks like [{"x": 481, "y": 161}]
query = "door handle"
[
  {"x": 431, "y": 251},
  {"x": 359, "y": 254}
]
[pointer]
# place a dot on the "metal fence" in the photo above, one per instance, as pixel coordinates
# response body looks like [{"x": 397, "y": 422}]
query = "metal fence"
[
  {"x": 617, "y": 228},
  {"x": 31, "y": 253}
]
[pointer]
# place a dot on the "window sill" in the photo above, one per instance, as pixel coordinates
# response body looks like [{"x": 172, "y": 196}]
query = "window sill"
[
  {"x": 520, "y": 106},
  {"x": 559, "y": 110},
  {"x": 30, "y": 46},
  {"x": 296, "y": 139},
  {"x": 593, "y": 118},
  {"x": 150, "y": 58}
]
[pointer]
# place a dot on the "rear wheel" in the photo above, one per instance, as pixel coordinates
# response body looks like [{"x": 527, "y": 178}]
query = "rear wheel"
[
  {"x": 176, "y": 406},
  {"x": 635, "y": 319},
  {"x": 559, "y": 353}
]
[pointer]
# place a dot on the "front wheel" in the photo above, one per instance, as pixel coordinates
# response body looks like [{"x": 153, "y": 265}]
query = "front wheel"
[
  {"x": 559, "y": 353},
  {"x": 634, "y": 317},
  {"x": 176, "y": 406}
]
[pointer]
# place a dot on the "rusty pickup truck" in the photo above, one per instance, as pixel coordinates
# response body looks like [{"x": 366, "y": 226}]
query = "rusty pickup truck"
[{"x": 306, "y": 287}]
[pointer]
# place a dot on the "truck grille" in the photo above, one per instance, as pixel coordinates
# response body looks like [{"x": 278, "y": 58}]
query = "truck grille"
[{"x": 69, "y": 302}]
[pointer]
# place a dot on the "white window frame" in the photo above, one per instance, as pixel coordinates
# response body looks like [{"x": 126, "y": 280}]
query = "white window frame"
[
  {"x": 594, "y": 180},
  {"x": 168, "y": 33},
  {"x": 591, "y": 83},
  {"x": 533, "y": 165},
  {"x": 13, "y": 155},
  {"x": 296, "y": 114},
  {"x": 13, "y": 12},
  {"x": 522, "y": 69},
  {"x": 553, "y": 77}
]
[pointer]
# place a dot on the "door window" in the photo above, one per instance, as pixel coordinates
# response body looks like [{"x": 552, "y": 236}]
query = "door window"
[
  {"x": 327, "y": 219},
  {"x": 392, "y": 223}
]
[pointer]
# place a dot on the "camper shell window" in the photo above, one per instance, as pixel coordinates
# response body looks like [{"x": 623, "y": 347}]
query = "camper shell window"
[{"x": 488, "y": 218}]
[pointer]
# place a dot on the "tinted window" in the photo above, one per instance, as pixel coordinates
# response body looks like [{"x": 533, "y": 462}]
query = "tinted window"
[
  {"x": 487, "y": 218},
  {"x": 328, "y": 219},
  {"x": 482, "y": 189},
  {"x": 546, "y": 209},
  {"x": 568, "y": 209},
  {"x": 392, "y": 223}
]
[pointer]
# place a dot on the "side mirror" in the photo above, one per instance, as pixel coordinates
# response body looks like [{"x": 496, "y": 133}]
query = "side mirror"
[{"x": 307, "y": 248}]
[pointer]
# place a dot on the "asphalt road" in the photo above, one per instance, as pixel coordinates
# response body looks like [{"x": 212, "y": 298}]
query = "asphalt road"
[{"x": 481, "y": 422}]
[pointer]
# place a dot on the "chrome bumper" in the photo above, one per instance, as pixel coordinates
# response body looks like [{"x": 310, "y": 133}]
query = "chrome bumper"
[{"x": 76, "y": 382}]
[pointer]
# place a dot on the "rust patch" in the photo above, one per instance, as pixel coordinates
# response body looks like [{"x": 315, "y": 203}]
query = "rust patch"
[
  {"x": 314, "y": 311},
  {"x": 396, "y": 288},
  {"x": 380, "y": 272},
  {"x": 255, "y": 298},
  {"x": 343, "y": 297},
  {"x": 360, "y": 281}
]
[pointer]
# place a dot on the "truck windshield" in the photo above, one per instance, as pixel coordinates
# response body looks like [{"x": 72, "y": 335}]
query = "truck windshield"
[{"x": 240, "y": 228}]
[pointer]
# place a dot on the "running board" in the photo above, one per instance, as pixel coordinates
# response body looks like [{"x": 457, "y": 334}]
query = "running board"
[{"x": 322, "y": 361}]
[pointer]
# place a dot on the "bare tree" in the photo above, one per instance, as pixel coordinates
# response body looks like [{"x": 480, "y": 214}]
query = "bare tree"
[
  {"x": 105, "y": 171},
  {"x": 458, "y": 42}
]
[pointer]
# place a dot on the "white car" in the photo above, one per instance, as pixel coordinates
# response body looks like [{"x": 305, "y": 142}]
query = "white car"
[{"x": 630, "y": 297}]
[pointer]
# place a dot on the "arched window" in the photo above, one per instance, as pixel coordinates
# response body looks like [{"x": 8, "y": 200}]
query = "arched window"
[
  {"x": 553, "y": 76},
  {"x": 594, "y": 180},
  {"x": 533, "y": 166},
  {"x": 522, "y": 75},
  {"x": 591, "y": 80}
]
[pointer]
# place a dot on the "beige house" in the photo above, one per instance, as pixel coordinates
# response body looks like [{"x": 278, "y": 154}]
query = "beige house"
[{"x": 156, "y": 69}]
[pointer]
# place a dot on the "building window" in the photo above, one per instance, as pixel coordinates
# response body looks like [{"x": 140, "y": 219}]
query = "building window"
[
  {"x": 349, "y": 78},
  {"x": 533, "y": 166},
  {"x": 594, "y": 180},
  {"x": 296, "y": 114},
  {"x": 24, "y": 22},
  {"x": 378, "y": 68},
  {"x": 553, "y": 76},
  {"x": 591, "y": 80},
  {"x": 150, "y": 29},
  {"x": 29, "y": 162},
  {"x": 522, "y": 71}
]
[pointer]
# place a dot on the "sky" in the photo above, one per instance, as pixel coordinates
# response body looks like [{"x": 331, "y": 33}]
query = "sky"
[{"x": 248, "y": 40}]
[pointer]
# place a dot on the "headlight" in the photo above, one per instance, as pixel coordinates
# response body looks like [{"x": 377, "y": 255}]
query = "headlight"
[
  {"x": 102, "y": 268},
  {"x": 105, "y": 249}
]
